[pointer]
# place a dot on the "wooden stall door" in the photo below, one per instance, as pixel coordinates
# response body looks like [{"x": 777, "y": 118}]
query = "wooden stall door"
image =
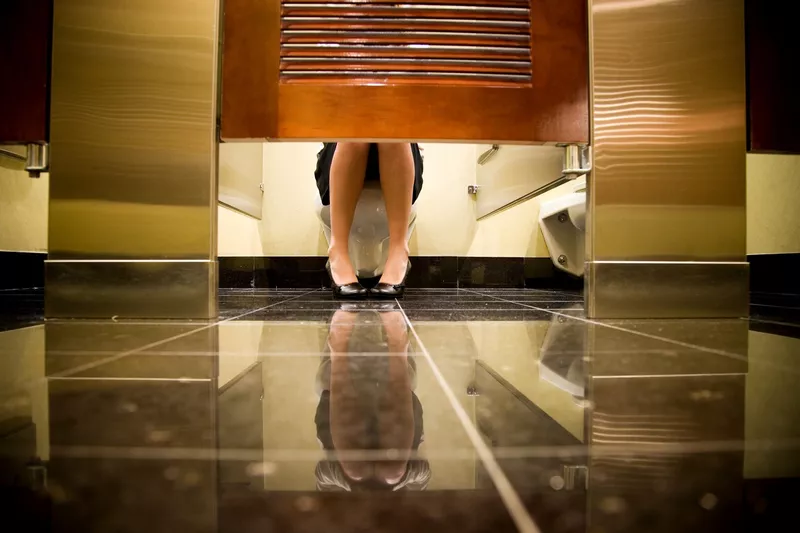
[
  {"x": 772, "y": 95},
  {"x": 25, "y": 39},
  {"x": 460, "y": 70}
]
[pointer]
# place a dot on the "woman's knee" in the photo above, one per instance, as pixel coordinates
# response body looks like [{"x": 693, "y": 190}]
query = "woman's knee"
[
  {"x": 352, "y": 149},
  {"x": 397, "y": 149}
]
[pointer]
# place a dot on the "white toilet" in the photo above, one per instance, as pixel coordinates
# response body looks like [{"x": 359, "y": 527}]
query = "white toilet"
[
  {"x": 563, "y": 223},
  {"x": 369, "y": 236}
]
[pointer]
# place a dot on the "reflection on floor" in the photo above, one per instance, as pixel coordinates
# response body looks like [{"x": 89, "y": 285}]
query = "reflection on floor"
[{"x": 452, "y": 410}]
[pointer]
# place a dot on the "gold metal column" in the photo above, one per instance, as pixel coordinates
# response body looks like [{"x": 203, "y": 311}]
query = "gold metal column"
[
  {"x": 133, "y": 186},
  {"x": 666, "y": 200}
]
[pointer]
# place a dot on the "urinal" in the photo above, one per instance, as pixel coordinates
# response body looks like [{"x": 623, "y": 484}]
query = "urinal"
[{"x": 563, "y": 224}]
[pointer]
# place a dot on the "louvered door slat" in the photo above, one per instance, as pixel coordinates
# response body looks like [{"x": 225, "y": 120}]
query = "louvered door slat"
[
  {"x": 366, "y": 42},
  {"x": 430, "y": 11},
  {"x": 470, "y": 4}
]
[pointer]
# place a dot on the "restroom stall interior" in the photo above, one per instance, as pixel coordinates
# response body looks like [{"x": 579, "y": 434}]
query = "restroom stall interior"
[{"x": 600, "y": 330}]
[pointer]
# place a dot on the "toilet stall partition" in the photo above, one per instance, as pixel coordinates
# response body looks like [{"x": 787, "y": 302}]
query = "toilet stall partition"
[{"x": 450, "y": 70}]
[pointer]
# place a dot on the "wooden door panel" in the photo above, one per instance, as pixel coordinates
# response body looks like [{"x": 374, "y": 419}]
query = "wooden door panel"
[
  {"x": 25, "y": 40},
  {"x": 773, "y": 106},
  {"x": 463, "y": 70}
]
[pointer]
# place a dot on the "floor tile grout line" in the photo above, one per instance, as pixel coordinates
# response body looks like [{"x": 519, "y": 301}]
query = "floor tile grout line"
[
  {"x": 768, "y": 321},
  {"x": 705, "y": 349},
  {"x": 598, "y": 451},
  {"x": 101, "y": 378},
  {"x": 456, "y": 301},
  {"x": 451, "y": 309},
  {"x": 159, "y": 353},
  {"x": 774, "y": 306},
  {"x": 287, "y": 353},
  {"x": 634, "y": 332},
  {"x": 766, "y": 293},
  {"x": 89, "y": 366},
  {"x": 509, "y": 496},
  {"x": 690, "y": 375}
]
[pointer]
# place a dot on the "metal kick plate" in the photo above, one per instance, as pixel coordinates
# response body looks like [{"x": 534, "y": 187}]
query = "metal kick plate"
[
  {"x": 643, "y": 289},
  {"x": 131, "y": 289}
]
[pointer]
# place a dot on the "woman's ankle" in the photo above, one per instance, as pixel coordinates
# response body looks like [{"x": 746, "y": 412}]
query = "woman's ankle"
[
  {"x": 337, "y": 252},
  {"x": 400, "y": 250},
  {"x": 341, "y": 268}
]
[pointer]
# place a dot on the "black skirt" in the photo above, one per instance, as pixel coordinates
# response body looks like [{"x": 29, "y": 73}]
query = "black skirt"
[{"x": 323, "y": 172}]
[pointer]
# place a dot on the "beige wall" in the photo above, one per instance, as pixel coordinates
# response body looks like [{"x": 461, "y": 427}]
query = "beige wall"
[
  {"x": 446, "y": 222},
  {"x": 773, "y": 197},
  {"x": 23, "y": 208}
]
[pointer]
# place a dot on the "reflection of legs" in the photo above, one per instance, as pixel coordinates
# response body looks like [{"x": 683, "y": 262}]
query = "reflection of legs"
[
  {"x": 348, "y": 430},
  {"x": 396, "y": 419},
  {"x": 348, "y": 169},
  {"x": 397, "y": 182}
]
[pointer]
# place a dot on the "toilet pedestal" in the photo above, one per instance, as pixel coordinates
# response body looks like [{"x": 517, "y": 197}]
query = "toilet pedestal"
[{"x": 369, "y": 235}]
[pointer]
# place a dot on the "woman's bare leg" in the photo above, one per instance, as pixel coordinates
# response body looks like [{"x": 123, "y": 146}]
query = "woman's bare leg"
[
  {"x": 348, "y": 428},
  {"x": 397, "y": 182},
  {"x": 396, "y": 419},
  {"x": 348, "y": 169}
]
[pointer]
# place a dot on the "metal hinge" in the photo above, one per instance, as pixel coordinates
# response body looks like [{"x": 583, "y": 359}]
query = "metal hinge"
[
  {"x": 37, "y": 158},
  {"x": 577, "y": 160}
]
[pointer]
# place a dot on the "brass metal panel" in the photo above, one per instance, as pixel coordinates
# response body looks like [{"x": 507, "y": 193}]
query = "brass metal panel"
[
  {"x": 658, "y": 289},
  {"x": 667, "y": 190},
  {"x": 669, "y": 130},
  {"x": 133, "y": 130},
  {"x": 131, "y": 289}
]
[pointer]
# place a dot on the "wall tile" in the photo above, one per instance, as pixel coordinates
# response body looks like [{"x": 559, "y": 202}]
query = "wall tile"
[{"x": 500, "y": 272}]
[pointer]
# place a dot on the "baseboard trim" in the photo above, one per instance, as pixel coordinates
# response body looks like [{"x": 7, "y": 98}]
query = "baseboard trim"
[
  {"x": 434, "y": 272},
  {"x": 131, "y": 289},
  {"x": 666, "y": 289},
  {"x": 22, "y": 270},
  {"x": 769, "y": 273}
]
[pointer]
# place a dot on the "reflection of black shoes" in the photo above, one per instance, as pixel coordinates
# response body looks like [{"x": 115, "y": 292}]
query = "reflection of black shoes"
[
  {"x": 386, "y": 291},
  {"x": 350, "y": 291}
]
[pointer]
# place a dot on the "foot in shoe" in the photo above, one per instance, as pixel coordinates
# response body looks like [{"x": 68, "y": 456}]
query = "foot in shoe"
[
  {"x": 342, "y": 270},
  {"x": 396, "y": 266}
]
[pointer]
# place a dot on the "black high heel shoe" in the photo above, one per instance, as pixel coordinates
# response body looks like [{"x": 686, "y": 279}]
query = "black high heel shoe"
[
  {"x": 350, "y": 291},
  {"x": 386, "y": 291}
]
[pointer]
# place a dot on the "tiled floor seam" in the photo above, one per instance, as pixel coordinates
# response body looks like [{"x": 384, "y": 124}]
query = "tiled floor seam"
[
  {"x": 511, "y": 499},
  {"x": 626, "y": 330},
  {"x": 95, "y": 364}
]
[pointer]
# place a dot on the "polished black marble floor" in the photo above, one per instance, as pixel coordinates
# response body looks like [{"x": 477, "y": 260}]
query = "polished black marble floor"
[{"x": 450, "y": 410}]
